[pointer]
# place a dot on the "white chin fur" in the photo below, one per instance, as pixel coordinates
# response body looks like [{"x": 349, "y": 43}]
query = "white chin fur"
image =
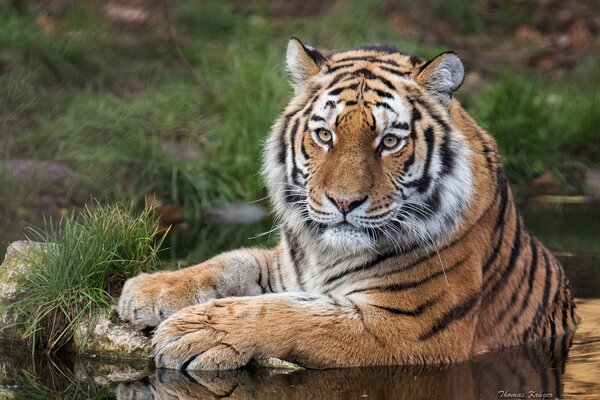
[{"x": 346, "y": 239}]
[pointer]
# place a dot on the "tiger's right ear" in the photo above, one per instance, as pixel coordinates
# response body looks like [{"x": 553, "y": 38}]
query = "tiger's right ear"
[{"x": 302, "y": 61}]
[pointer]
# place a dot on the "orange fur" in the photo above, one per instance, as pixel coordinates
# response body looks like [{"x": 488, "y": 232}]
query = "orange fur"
[{"x": 408, "y": 254}]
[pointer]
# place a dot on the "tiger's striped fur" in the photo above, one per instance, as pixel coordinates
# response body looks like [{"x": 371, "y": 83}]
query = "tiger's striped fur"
[{"x": 406, "y": 254}]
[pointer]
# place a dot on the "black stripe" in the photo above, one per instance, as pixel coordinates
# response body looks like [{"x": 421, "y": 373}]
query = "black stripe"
[
  {"x": 309, "y": 105},
  {"x": 280, "y": 276},
  {"x": 508, "y": 269},
  {"x": 500, "y": 221},
  {"x": 361, "y": 267},
  {"x": 295, "y": 169},
  {"x": 513, "y": 299},
  {"x": 401, "y": 125},
  {"x": 384, "y": 105},
  {"x": 367, "y": 58},
  {"x": 414, "y": 60},
  {"x": 385, "y": 94},
  {"x": 394, "y": 71},
  {"x": 339, "y": 90},
  {"x": 260, "y": 276},
  {"x": 453, "y": 315},
  {"x": 431, "y": 204},
  {"x": 269, "y": 278},
  {"x": 382, "y": 48},
  {"x": 415, "y": 116},
  {"x": 422, "y": 183},
  {"x": 370, "y": 75},
  {"x": 282, "y": 147},
  {"x": 337, "y": 67},
  {"x": 486, "y": 150},
  {"x": 527, "y": 297},
  {"x": 437, "y": 118},
  {"x": 296, "y": 255},
  {"x": 566, "y": 305},
  {"x": 544, "y": 302},
  {"x": 304, "y": 152},
  {"x": 189, "y": 361},
  {"x": 397, "y": 287},
  {"x": 341, "y": 77},
  {"x": 316, "y": 118},
  {"x": 409, "y": 313},
  {"x": 446, "y": 156}
]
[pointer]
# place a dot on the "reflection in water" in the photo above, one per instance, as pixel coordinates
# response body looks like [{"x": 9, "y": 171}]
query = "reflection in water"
[
  {"x": 582, "y": 375},
  {"x": 538, "y": 368},
  {"x": 534, "y": 368}
]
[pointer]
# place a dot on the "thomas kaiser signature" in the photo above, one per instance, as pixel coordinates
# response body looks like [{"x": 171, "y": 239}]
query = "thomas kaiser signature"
[{"x": 532, "y": 394}]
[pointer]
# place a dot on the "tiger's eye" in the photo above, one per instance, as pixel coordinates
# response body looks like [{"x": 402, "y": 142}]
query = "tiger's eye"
[
  {"x": 324, "y": 135},
  {"x": 390, "y": 141}
]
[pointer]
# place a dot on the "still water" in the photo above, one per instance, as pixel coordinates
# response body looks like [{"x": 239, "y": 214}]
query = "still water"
[{"x": 566, "y": 367}]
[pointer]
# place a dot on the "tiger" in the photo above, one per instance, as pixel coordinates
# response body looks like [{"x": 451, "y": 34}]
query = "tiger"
[
  {"x": 531, "y": 369},
  {"x": 400, "y": 241}
]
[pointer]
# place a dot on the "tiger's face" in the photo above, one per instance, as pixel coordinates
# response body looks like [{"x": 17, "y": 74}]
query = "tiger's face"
[{"x": 366, "y": 156}]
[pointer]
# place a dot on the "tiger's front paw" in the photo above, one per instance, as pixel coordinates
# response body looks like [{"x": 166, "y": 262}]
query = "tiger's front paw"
[
  {"x": 148, "y": 299},
  {"x": 211, "y": 336}
]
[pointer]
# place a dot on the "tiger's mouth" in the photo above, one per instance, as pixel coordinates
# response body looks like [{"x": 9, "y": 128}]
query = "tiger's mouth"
[
  {"x": 347, "y": 228},
  {"x": 344, "y": 236}
]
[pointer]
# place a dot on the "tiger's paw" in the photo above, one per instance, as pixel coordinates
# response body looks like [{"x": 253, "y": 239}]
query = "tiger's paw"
[
  {"x": 148, "y": 299},
  {"x": 203, "y": 337}
]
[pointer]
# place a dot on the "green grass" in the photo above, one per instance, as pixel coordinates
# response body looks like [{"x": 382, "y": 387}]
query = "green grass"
[
  {"x": 88, "y": 258},
  {"x": 543, "y": 126},
  {"x": 104, "y": 100}
]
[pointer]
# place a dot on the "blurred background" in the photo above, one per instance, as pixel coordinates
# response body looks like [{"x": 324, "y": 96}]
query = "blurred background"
[{"x": 169, "y": 102}]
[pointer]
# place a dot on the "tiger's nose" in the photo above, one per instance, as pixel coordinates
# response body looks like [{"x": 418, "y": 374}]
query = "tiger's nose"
[{"x": 346, "y": 203}]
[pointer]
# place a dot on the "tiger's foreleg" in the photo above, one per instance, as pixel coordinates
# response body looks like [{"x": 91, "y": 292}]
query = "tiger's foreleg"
[
  {"x": 148, "y": 299},
  {"x": 313, "y": 330}
]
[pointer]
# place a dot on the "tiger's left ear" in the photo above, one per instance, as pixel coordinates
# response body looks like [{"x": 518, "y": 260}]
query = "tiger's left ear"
[
  {"x": 302, "y": 61},
  {"x": 441, "y": 76}
]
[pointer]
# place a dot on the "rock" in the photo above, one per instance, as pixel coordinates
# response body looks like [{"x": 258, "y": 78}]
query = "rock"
[
  {"x": 108, "y": 372},
  {"x": 276, "y": 363},
  {"x": 19, "y": 255},
  {"x": 237, "y": 212},
  {"x": 592, "y": 182},
  {"x": 110, "y": 339},
  {"x": 98, "y": 336},
  {"x": 48, "y": 174},
  {"x": 134, "y": 391}
]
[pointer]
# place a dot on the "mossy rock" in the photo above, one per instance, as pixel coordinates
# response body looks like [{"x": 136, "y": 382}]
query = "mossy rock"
[
  {"x": 97, "y": 336},
  {"x": 19, "y": 256},
  {"x": 101, "y": 336}
]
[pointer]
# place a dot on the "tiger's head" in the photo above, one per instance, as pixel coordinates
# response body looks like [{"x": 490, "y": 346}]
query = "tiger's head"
[{"x": 366, "y": 155}]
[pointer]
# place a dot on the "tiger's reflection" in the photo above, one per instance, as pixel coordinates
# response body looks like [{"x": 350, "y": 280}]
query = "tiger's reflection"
[{"x": 527, "y": 371}]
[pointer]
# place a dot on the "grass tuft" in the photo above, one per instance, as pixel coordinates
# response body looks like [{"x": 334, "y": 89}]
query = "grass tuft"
[{"x": 88, "y": 258}]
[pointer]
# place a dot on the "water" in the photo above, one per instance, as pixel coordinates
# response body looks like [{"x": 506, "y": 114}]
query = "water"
[{"x": 567, "y": 367}]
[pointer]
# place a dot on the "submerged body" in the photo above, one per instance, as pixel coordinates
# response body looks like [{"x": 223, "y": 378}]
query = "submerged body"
[{"x": 400, "y": 240}]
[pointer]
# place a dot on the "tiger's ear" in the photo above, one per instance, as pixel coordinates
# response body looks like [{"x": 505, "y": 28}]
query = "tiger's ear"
[
  {"x": 442, "y": 76},
  {"x": 302, "y": 61}
]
